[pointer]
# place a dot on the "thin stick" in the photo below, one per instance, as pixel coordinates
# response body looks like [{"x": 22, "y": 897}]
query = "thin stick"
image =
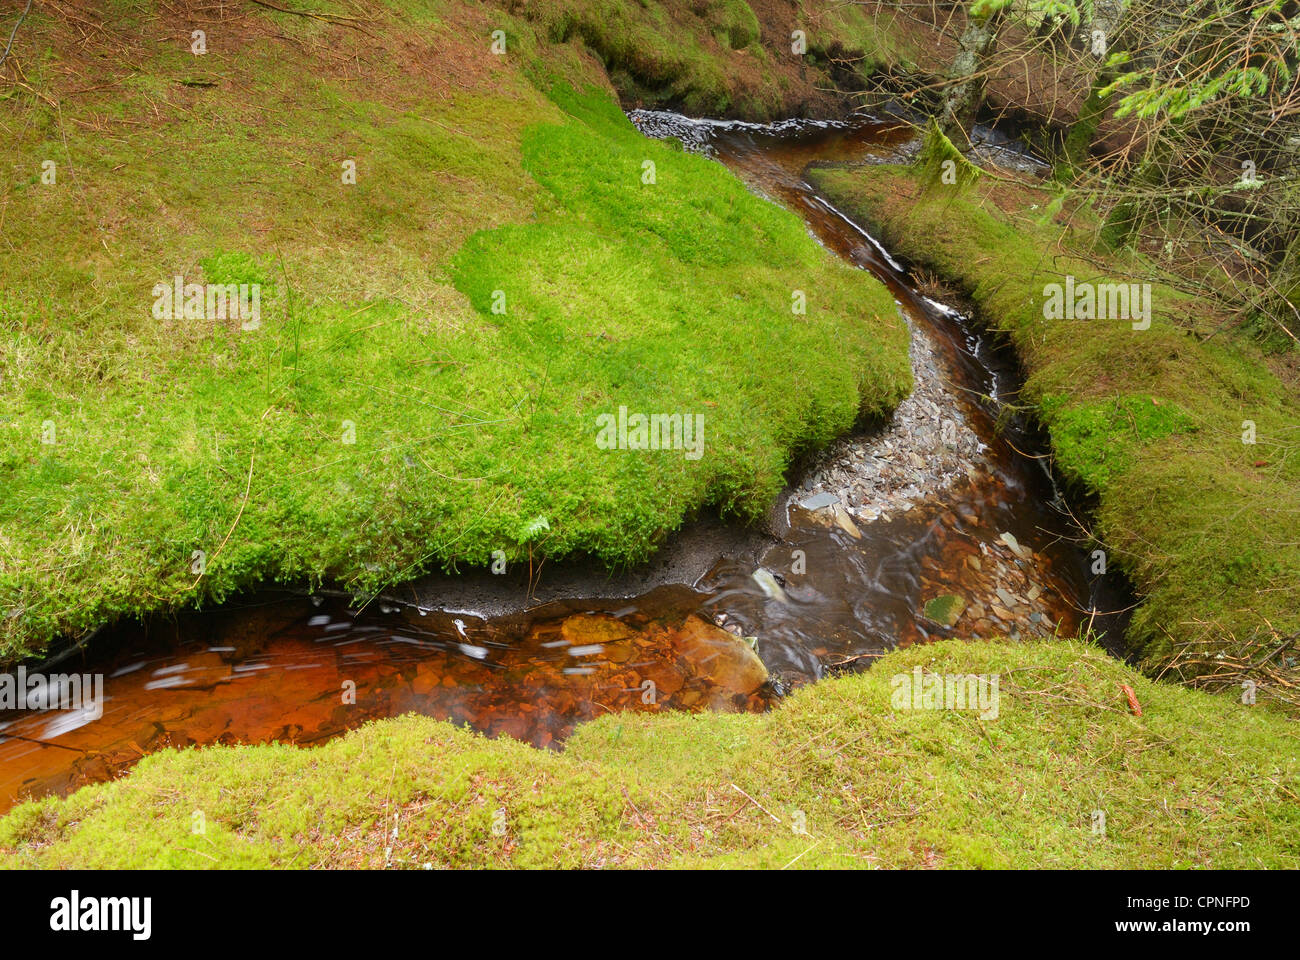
[{"x": 756, "y": 803}]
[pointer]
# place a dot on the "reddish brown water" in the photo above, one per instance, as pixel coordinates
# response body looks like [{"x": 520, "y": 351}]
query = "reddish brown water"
[
  {"x": 302, "y": 671},
  {"x": 297, "y": 671}
]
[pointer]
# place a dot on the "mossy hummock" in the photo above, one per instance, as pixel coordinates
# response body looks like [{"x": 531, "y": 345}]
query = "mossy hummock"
[{"x": 463, "y": 258}]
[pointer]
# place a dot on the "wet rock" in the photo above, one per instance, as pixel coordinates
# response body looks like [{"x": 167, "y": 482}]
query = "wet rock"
[
  {"x": 945, "y": 609},
  {"x": 585, "y": 630},
  {"x": 667, "y": 680},
  {"x": 846, "y": 523},
  {"x": 426, "y": 680},
  {"x": 730, "y": 664},
  {"x": 146, "y": 735},
  {"x": 817, "y": 501},
  {"x": 619, "y": 651},
  {"x": 770, "y": 587},
  {"x": 1014, "y": 545}
]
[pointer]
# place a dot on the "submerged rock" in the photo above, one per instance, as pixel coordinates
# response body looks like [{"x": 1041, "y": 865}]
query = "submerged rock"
[
  {"x": 769, "y": 585},
  {"x": 846, "y": 523},
  {"x": 945, "y": 609},
  {"x": 585, "y": 630},
  {"x": 1024, "y": 553},
  {"x": 730, "y": 664}
]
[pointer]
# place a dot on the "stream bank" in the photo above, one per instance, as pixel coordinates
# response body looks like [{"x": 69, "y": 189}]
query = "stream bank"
[
  {"x": 1181, "y": 433},
  {"x": 939, "y": 522},
  {"x": 837, "y": 778}
]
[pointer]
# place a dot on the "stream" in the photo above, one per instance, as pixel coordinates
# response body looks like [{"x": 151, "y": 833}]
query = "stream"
[{"x": 932, "y": 525}]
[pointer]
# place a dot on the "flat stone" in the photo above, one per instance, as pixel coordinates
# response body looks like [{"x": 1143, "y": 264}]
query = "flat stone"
[
  {"x": 846, "y": 523},
  {"x": 666, "y": 678},
  {"x": 945, "y": 609},
  {"x": 585, "y": 630},
  {"x": 727, "y": 661},
  {"x": 819, "y": 500},
  {"x": 426, "y": 680},
  {"x": 1024, "y": 553},
  {"x": 768, "y": 583}
]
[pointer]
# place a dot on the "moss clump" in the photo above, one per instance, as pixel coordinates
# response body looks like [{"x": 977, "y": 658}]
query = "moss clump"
[
  {"x": 384, "y": 418},
  {"x": 945, "y": 609},
  {"x": 736, "y": 21},
  {"x": 1097, "y": 442},
  {"x": 941, "y": 165}
]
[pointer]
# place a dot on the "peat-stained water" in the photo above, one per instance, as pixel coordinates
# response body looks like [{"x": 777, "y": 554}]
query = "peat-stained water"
[
  {"x": 299, "y": 670},
  {"x": 990, "y": 540}
]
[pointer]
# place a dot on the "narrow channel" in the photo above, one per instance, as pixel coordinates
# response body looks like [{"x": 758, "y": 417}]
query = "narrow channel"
[{"x": 943, "y": 522}]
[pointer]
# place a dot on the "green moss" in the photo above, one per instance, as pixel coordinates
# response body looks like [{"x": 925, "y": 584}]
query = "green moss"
[
  {"x": 232, "y": 266},
  {"x": 940, "y": 164},
  {"x": 737, "y": 22},
  {"x": 840, "y": 775},
  {"x": 1096, "y": 442},
  {"x": 383, "y": 420},
  {"x": 1079, "y": 138},
  {"x": 945, "y": 609}
]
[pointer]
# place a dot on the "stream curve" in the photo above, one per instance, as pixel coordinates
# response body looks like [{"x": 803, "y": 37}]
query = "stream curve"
[{"x": 942, "y": 522}]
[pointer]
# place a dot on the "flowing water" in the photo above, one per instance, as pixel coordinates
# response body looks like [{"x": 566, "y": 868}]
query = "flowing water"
[
  {"x": 988, "y": 527},
  {"x": 933, "y": 525}
]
